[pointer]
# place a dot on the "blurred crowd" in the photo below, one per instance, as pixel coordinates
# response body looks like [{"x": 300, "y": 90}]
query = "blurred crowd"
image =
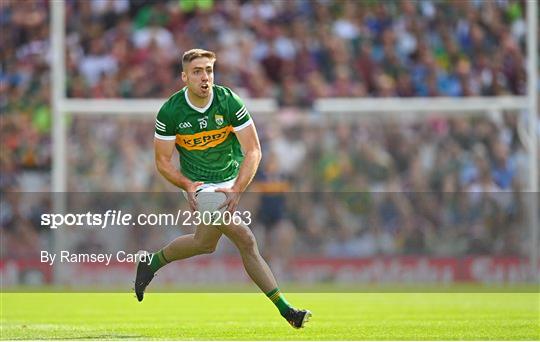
[
  {"x": 298, "y": 51},
  {"x": 443, "y": 186},
  {"x": 440, "y": 187}
]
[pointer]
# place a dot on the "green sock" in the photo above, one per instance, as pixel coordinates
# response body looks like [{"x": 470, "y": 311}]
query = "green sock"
[
  {"x": 279, "y": 300},
  {"x": 158, "y": 261}
]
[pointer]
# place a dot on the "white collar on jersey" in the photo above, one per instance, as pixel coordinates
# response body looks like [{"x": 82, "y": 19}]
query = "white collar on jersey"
[{"x": 199, "y": 109}]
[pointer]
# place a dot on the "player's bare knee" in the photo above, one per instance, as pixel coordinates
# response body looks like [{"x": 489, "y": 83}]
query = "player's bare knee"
[
  {"x": 205, "y": 247},
  {"x": 208, "y": 249},
  {"x": 246, "y": 241}
]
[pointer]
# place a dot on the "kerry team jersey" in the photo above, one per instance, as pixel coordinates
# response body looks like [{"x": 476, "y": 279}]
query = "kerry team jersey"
[{"x": 209, "y": 150}]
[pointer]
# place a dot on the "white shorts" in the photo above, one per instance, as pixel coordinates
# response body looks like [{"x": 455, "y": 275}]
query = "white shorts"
[{"x": 211, "y": 187}]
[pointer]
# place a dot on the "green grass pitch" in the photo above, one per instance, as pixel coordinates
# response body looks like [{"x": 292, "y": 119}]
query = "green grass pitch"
[{"x": 250, "y": 316}]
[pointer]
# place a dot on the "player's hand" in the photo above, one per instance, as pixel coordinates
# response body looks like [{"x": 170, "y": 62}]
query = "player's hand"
[
  {"x": 233, "y": 197},
  {"x": 191, "y": 190}
]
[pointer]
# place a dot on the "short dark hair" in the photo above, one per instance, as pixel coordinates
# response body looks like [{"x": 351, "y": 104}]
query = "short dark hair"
[{"x": 193, "y": 54}]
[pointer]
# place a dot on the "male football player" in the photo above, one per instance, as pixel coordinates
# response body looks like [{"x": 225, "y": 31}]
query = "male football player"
[{"x": 219, "y": 148}]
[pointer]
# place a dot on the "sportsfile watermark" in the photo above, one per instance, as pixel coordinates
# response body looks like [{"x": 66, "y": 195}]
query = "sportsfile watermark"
[
  {"x": 70, "y": 257},
  {"x": 119, "y": 218},
  {"x": 320, "y": 242}
]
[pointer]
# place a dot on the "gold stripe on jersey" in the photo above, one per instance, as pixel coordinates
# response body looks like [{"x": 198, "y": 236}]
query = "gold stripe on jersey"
[{"x": 203, "y": 140}]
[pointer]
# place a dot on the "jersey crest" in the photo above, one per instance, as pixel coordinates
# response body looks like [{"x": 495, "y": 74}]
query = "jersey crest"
[{"x": 219, "y": 119}]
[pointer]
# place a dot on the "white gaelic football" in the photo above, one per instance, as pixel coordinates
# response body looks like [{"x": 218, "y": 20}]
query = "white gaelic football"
[{"x": 208, "y": 200}]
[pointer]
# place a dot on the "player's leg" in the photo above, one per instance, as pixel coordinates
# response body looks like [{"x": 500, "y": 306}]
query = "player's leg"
[
  {"x": 203, "y": 241},
  {"x": 255, "y": 265},
  {"x": 259, "y": 271}
]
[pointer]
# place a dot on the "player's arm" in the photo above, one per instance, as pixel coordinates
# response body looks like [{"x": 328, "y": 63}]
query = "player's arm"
[
  {"x": 164, "y": 144},
  {"x": 251, "y": 148},
  {"x": 249, "y": 140},
  {"x": 163, "y": 150}
]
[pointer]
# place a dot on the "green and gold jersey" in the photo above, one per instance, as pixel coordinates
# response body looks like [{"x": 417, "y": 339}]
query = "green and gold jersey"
[{"x": 209, "y": 150}]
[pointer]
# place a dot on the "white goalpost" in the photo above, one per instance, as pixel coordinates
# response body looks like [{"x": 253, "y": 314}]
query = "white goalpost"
[{"x": 331, "y": 108}]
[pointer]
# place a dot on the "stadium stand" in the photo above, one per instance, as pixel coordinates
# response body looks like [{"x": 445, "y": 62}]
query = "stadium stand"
[{"x": 131, "y": 49}]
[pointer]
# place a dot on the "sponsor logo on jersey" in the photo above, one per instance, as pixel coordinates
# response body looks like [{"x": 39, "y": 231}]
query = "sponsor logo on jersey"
[
  {"x": 219, "y": 119},
  {"x": 184, "y": 125},
  {"x": 203, "y": 140}
]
